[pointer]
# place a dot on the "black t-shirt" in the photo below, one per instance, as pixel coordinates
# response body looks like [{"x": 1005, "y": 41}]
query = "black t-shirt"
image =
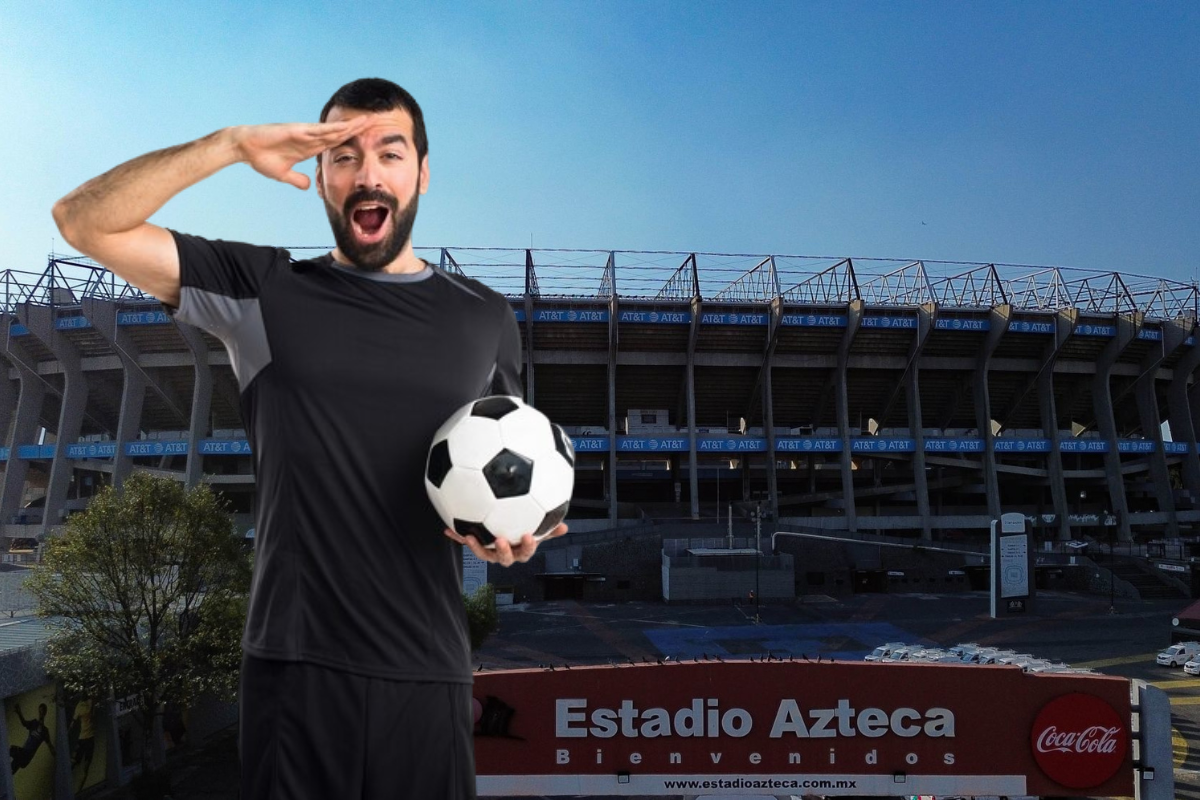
[{"x": 344, "y": 377}]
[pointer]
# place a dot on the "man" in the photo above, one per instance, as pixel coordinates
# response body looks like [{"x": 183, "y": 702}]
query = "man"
[
  {"x": 356, "y": 675},
  {"x": 39, "y": 734},
  {"x": 85, "y": 745}
]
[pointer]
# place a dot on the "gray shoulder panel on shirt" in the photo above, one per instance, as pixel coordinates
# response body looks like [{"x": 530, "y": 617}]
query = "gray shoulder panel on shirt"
[{"x": 236, "y": 322}]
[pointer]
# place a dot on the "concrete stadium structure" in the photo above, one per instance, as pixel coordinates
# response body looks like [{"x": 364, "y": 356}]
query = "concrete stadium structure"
[{"x": 916, "y": 398}]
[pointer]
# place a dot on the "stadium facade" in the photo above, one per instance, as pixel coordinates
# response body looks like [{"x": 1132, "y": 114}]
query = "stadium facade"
[{"x": 912, "y": 398}]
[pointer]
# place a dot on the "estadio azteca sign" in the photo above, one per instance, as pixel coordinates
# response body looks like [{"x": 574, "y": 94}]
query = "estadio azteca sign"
[{"x": 803, "y": 728}]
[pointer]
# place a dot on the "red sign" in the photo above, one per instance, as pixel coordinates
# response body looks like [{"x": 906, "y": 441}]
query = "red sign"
[
  {"x": 850, "y": 728},
  {"x": 1079, "y": 740}
]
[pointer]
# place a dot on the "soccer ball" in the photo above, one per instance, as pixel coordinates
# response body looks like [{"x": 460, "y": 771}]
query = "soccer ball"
[{"x": 500, "y": 468}]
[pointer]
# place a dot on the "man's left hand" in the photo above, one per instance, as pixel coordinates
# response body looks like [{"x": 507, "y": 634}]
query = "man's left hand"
[{"x": 504, "y": 553}]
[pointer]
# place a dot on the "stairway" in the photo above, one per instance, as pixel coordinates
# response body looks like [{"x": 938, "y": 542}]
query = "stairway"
[{"x": 1149, "y": 586}]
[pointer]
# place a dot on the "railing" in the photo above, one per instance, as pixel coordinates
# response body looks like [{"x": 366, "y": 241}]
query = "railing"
[{"x": 670, "y": 276}]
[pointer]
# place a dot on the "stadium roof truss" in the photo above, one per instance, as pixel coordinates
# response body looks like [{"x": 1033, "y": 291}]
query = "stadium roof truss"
[{"x": 738, "y": 278}]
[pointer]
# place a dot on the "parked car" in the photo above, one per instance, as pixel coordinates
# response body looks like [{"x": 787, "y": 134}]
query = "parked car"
[
  {"x": 902, "y": 653},
  {"x": 1178, "y": 654},
  {"x": 1192, "y": 667},
  {"x": 884, "y": 650},
  {"x": 987, "y": 656}
]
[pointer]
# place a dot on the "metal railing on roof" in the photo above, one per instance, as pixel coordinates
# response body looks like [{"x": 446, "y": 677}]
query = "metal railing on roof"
[{"x": 740, "y": 278}]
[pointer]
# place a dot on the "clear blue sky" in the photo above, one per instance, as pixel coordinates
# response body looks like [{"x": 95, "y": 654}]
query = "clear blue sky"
[{"x": 1041, "y": 133}]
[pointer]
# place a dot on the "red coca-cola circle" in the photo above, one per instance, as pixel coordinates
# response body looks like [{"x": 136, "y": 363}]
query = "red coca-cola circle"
[{"x": 1079, "y": 740}]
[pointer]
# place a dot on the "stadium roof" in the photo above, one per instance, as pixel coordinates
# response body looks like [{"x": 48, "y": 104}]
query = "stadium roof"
[{"x": 675, "y": 277}]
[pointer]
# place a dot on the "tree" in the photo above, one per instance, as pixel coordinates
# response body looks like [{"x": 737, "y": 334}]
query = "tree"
[
  {"x": 147, "y": 589},
  {"x": 482, "y": 618}
]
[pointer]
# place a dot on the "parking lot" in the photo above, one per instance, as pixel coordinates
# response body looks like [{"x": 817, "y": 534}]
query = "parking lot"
[{"x": 1075, "y": 628}]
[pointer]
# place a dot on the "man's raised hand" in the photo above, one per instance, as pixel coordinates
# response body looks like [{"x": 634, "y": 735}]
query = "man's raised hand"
[{"x": 273, "y": 150}]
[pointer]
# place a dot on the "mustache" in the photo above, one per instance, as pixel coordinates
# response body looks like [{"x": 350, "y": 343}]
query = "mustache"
[{"x": 370, "y": 196}]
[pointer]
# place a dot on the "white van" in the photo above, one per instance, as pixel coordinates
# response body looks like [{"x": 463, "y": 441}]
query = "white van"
[{"x": 1178, "y": 654}]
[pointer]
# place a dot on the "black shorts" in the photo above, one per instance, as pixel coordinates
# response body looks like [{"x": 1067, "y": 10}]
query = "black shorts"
[{"x": 311, "y": 732}]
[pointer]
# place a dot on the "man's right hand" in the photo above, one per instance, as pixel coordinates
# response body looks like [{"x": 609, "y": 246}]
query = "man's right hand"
[
  {"x": 105, "y": 218},
  {"x": 272, "y": 150}
]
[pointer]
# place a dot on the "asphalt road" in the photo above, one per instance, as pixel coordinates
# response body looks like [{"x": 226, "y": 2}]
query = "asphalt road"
[{"x": 1076, "y": 628}]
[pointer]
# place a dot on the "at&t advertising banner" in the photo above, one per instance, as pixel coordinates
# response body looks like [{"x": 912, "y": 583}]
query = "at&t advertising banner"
[{"x": 789, "y": 727}]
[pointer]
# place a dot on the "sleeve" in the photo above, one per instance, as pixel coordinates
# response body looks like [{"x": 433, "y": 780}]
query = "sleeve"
[
  {"x": 507, "y": 376},
  {"x": 219, "y": 282}
]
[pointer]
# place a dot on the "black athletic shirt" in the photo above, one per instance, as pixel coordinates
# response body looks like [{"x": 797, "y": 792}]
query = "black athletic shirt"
[{"x": 344, "y": 377}]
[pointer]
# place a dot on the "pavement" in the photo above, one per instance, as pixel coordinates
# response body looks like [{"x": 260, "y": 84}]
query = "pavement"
[{"x": 1075, "y": 628}]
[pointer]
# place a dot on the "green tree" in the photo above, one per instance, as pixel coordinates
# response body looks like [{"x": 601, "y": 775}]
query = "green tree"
[
  {"x": 147, "y": 589},
  {"x": 482, "y": 619}
]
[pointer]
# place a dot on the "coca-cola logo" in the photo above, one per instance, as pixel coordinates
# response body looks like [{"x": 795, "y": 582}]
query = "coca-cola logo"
[{"x": 1079, "y": 740}]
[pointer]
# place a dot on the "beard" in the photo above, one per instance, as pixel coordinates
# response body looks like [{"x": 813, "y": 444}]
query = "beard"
[{"x": 373, "y": 257}]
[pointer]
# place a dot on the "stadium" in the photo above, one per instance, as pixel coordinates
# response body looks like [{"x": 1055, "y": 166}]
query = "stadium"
[
  {"x": 909, "y": 398},
  {"x": 848, "y": 401}
]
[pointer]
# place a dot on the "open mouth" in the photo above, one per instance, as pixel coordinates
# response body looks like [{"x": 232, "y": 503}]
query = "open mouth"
[{"x": 368, "y": 220}]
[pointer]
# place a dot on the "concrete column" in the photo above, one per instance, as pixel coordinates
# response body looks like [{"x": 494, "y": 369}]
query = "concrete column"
[
  {"x": 1183, "y": 428},
  {"x": 62, "y": 744},
  {"x": 1127, "y": 331},
  {"x": 40, "y": 322},
  {"x": 1000, "y": 316},
  {"x": 854, "y": 315},
  {"x": 201, "y": 405},
  {"x": 1146, "y": 395},
  {"x": 768, "y": 400},
  {"x": 613, "y": 339},
  {"x": 926, "y": 316},
  {"x": 1064, "y": 324},
  {"x": 103, "y": 316},
  {"x": 690, "y": 391},
  {"x": 31, "y": 396}
]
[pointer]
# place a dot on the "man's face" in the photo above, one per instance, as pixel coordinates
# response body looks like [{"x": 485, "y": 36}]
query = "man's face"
[{"x": 363, "y": 182}]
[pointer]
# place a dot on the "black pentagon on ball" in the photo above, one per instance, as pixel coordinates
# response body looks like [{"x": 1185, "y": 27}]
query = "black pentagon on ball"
[
  {"x": 439, "y": 463},
  {"x": 509, "y": 474},
  {"x": 551, "y": 520},
  {"x": 476, "y": 529},
  {"x": 493, "y": 407},
  {"x": 562, "y": 443}
]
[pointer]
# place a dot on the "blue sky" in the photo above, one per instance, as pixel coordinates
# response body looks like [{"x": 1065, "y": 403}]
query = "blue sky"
[{"x": 1036, "y": 133}]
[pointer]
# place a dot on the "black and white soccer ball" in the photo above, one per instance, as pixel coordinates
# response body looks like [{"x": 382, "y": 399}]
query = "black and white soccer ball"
[{"x": 499, "y": 468}]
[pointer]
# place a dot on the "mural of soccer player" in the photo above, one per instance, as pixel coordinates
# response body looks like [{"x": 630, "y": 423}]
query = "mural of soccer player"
[
  {"x": 38, "y": 734},
  {"x": 84, "y": 747}
]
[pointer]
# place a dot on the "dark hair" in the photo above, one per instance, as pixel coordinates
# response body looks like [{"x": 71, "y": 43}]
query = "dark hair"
[{"x": 379, "y": 95}]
